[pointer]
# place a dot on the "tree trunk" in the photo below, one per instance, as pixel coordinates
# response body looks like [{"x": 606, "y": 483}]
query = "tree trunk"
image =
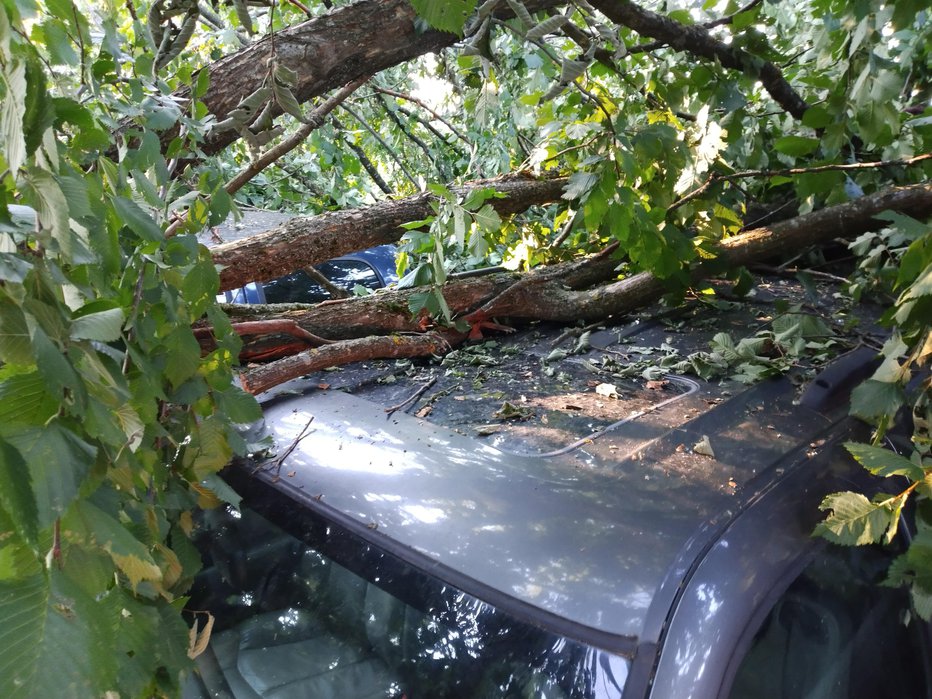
[
  {"x": 326, "y": 52},
  {"x": 302, "y": 242},
  {"x": 558, "y": 293}
]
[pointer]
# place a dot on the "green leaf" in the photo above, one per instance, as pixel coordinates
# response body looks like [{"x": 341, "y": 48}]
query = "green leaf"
[
  {"x": 796, "y": 146},
  {"x": 448, "y": 16},
  {"x": 16, "y": 494},
  {"x": 222, "y": 490},
  {"x": 487, "y": 219},
  {"x": 12, "y": 111},
  {"x": 104, "y": 326},
  {"x": 183, "y": 355},
  {"x": 876, "y": 399},
  {"x": 58, "y": 461},
  {"x": 13, "y": 268},
  {"x": 200, "y": 286},
  {"x": 24, "y": 399},
  {"x": 56, "y": 642},
  {"x": 884, "y": 462},
  {"x": 209, "y": 450},
  {"x": 52, "y": 209},
  {"x": 854, "y": 520},
  {"x": 130, "y": 214},
  {"x": 238, "y": 406},
  {"x": 15, "y": 345},
  {"x": 56, "y": 369},
  {"x": 579, "y": 183},
  {"x": 88, "y": 524},
  {"x": 817, "y": 117}
]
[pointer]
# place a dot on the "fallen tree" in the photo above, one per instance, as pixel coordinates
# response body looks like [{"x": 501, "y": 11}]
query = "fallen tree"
[
  {"x": 326, "y": 52},
  {"x": 304, "y": 241},
  {"x": 560, "y": 293}
]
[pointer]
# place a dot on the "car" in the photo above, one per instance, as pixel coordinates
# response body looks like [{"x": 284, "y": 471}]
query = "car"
[
  {"x": 371, "y": 269},
  {"x": 534, "y": 530}
]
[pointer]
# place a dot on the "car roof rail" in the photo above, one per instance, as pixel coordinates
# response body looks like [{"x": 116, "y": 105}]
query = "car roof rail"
[{"x": 831, "y": 389}]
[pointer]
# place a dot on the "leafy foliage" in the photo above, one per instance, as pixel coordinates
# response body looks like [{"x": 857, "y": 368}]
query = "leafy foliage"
[
  {"x": 112, "y": 419},
  {"x": 902, "y": 264}
]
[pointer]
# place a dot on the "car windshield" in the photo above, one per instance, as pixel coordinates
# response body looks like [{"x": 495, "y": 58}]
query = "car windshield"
[{"x": 318, "y": 612}]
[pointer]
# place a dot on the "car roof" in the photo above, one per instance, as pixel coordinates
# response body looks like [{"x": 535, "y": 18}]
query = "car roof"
[{"x": 595, "y": 537}]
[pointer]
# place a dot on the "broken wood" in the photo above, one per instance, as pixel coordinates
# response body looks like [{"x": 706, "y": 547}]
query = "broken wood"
[
  {"x": 560, "y": 293},
  {"x": 305, "y": 241},
  {"x": 261, "y": 378}
]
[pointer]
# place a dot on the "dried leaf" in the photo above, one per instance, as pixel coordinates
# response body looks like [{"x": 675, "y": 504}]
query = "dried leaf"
[
  {"x": 704, "y": 447},
  {"x": 197, "y": 642},
  {"x": 608, "y": 390}
]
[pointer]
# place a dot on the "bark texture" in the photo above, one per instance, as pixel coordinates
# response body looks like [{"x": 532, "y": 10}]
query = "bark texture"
[
  {"x": 262, "y": 378},
  {"x": 302, "y": 242},
  {"x": 699, "y": 42},
  {"x": 326, "y": 52}
]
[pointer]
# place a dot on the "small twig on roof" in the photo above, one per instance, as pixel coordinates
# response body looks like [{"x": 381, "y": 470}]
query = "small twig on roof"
[{"x": 411, "y": 400}]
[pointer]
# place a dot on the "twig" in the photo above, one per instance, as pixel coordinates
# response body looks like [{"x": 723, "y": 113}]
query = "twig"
[
  {"x": 411, "y": 400},
  {"x": 367, "y": 164},
  {"x": 790, "y": 271},
  {"x": 422, "y": 105},
  {"x": 314, "y": 121},
  {"x": 576, "y": 332},
  {"x": 787, "y": 172},
  {"x": 375, "y": 134},
  {"x": 277, "y": 464},
  {"x": 731, "y": 18}
]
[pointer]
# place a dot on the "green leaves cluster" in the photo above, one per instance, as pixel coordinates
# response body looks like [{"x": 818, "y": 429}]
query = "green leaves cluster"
[
  {"x": 112, "y": 423},
  {"x": 459, "y": 235},
  {"x": 902, "y": 257}
]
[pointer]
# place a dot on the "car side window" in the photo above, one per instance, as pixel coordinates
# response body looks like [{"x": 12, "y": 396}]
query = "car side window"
[
  {"x": 298, "y": 287},
  {"x": 837, "y": 634}
]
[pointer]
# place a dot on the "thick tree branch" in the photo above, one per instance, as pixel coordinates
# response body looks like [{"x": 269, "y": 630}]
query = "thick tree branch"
[
  {"x": 698, "y": 41},
  {"x": 302, "y": 242},
  {"x": 262, "y": 378},
  {"x": 346, "y": 44},
  {"x": 549, "y": 300}
]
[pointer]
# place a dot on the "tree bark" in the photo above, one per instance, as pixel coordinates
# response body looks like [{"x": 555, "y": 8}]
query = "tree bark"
[
  {"x": 302, "y": 242},
  {"x": 558, "y": 293},
  {"x": 262, "y": 378},
  {"x": 326, "y": 52},
  {"x": 549, "y": 300},
  {"x": 698, "y": 41}
]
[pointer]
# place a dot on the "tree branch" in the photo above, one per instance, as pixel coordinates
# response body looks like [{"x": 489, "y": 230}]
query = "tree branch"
[
  {"x": 305, "y": 241},
  {"x": 375, "y": 134},
  {"x": 367, "y": 164},
  {"x": 422, "y": 105},
  {"x": 698, "y": 41},
  {"x": 788, "y": 172}
]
